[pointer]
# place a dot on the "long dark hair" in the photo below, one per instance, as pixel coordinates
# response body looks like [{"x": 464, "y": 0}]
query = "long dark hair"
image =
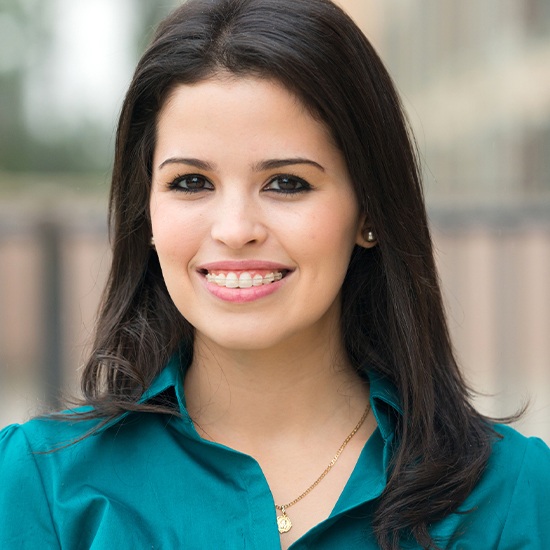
[{"x": 393, "y": 320}]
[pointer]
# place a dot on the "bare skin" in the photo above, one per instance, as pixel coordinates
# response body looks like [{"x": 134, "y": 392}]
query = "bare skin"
[
  {"x": 302, "y": 413},
  {"x": 245, "y": 180}
]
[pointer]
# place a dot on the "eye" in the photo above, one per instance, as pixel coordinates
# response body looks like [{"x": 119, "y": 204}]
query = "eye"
[
  {"x": 287, "y": 184},
  {"x": 191, "y": 183}
]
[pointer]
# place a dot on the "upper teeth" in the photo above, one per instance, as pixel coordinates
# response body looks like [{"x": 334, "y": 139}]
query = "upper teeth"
[{"x": 243, "y": 280}]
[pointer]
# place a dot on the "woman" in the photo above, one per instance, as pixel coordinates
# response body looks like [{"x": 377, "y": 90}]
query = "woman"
[{"x": 272, "y": 304}]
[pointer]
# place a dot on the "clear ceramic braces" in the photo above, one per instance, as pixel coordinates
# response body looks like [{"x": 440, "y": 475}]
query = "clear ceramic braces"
[{"x": 243, "y": 280}]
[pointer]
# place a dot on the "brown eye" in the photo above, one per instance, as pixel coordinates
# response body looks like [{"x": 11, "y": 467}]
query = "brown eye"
[
  {"x": 287, "y": 184},
  {"x": 191, "y": 183}
]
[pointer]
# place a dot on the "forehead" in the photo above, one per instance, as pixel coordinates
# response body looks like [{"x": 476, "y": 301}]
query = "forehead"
[
  {"x": 225, "y": 109},
  {"x": 230, "y": 87}
]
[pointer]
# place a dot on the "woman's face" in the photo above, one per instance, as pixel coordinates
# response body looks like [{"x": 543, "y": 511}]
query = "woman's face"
[{"x": 253, "y": 214}]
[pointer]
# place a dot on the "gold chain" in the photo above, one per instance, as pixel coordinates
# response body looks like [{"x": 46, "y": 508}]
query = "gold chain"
[{"x": 283, "y": 521}]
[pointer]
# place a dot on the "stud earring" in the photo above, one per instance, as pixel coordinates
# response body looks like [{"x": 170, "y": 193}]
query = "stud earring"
[
  {"x": 152, "y": 241},
  {"x": 370, "y": 237}
]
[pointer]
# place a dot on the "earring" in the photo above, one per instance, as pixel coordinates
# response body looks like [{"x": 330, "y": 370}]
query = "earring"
[
  {"x": 152, "y": 241},
  {"x": 370, "y": 237}
]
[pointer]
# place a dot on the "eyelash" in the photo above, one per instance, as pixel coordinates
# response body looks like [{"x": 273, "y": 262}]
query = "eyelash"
[
  {"x": 304, "y": 185},
  {"x": 175, "y": 183}
]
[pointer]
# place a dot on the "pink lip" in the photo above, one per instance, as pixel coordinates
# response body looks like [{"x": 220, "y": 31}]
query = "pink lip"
[
  {"x": 242, "y": 295},
  {"x": 242, "y": 265}
]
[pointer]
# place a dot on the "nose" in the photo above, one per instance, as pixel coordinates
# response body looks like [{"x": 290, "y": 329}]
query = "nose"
[{"x": 238, "y": 221}]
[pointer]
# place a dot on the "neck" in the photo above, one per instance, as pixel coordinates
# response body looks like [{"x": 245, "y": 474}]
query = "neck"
[{"x": 274, "y": 392}]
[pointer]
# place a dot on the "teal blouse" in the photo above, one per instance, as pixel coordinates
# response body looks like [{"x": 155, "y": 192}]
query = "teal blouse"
[{"x": 148, "y": 481}]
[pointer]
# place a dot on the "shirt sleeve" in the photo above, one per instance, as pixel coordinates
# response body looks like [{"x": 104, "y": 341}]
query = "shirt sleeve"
[
  {"x": 528, "y": 520},
  {"x": 25, "y": 516}
]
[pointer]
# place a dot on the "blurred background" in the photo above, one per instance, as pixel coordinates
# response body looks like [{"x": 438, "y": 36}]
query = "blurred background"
[{"x": 475, "y": 81}]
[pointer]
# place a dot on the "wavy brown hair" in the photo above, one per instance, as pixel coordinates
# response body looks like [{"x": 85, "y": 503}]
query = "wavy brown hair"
[{"x": 393, "y": 320}]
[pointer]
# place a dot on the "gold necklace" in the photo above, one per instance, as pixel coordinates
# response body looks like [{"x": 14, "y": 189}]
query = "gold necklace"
[{"x": 283, "y": 521}]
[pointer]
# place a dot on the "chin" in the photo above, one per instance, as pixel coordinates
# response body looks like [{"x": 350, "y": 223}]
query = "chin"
[{"x": 249, "y": 341}]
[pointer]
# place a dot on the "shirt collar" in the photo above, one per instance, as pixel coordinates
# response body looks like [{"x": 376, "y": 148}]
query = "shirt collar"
[
  {"x": 170, "y": 377},
  {"x": 384, "y": 399},
  {"x": 385, "y": 403}
]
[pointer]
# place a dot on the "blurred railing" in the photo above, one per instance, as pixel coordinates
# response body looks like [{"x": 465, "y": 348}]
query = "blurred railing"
[
  {"x": 54, "y": 257},
  {"x": 494, "y": 263}
]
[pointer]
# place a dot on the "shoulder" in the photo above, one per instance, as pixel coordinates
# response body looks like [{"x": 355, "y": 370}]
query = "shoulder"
[
  {"x": 56, "y": 437},
  {"x": 25, "y": 509},
  {"x": 524, "y": 462},
  {"x": 516, "y": 454},
  {"x": 518, "y": 469},
  {"x": 13, "y": 446},
  {"x": 511, "y": 502},
  {"x": 44, "y": 450},
  {"x": 26, "y": 448},
  {"x": 44, "y": 461},
  {"x": 45, "y": 434},
  {"x": 509, "y": 507},
  {"x": 57, "y": 446}
]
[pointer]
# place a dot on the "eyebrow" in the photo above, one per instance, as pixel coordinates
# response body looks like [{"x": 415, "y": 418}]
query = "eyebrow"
[
  {"x": 197, "y": 163},
  {"x": 258, "y": 167},
  {"x": 280, "y": 163}
]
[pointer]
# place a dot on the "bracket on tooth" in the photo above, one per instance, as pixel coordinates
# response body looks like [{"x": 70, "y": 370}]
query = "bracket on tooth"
[{"x": 244, "y": 280}]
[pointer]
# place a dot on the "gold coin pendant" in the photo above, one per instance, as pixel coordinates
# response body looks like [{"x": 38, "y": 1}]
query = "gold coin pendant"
[{"x": 284, "y": 524}]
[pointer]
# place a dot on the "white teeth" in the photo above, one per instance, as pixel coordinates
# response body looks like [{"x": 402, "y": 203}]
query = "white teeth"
[
  {"x": 243, "y": 280},
  {"x": 231, "y": 280}
]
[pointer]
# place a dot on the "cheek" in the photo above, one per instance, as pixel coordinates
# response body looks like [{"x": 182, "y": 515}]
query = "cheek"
[
  {"x": 177, "y": 234},
  {"x": 331, "y": 231}
]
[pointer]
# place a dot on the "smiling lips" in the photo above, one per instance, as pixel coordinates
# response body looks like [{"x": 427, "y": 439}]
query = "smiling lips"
[
  {"x": 244, "y": 279},
  {"x": 240, "y": 282}
]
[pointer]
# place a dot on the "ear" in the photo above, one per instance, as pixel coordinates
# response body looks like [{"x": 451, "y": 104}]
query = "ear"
[{"x": 366, "y": 237}]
